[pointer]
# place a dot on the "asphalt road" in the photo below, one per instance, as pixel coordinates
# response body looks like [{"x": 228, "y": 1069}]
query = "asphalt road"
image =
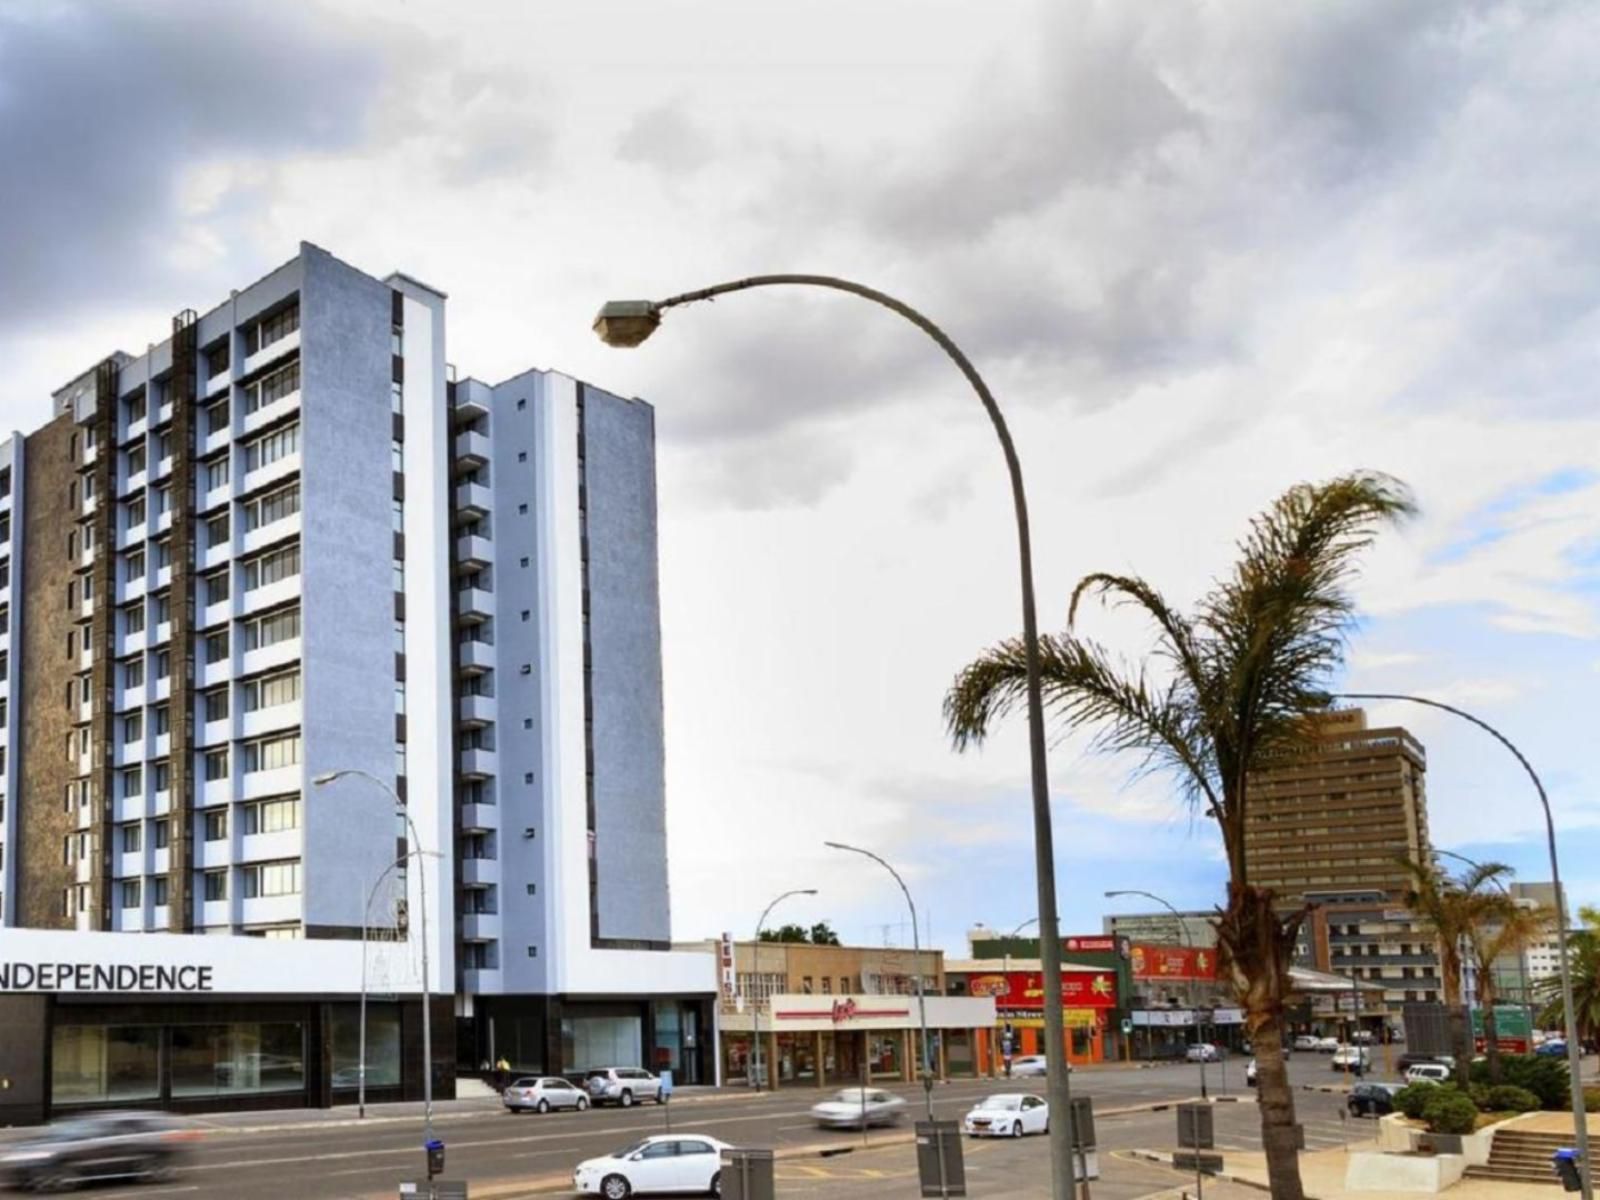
[{"x": 506, "y": 1157}]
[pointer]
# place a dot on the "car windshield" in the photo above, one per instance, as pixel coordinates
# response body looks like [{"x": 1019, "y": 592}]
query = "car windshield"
[
  {"x": 631, "y": 1148},
  {"x": 852, "y": 1096},
  {"x": 1002, "y": 1103},
  {"x": 74, "y": 1131}
]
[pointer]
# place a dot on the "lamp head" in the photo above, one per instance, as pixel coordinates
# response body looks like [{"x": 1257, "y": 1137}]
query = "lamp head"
[
  {"x": 326, "y": 777},
  {"x": 625, "y": 323},
  {"x": 808, "y": 891}
]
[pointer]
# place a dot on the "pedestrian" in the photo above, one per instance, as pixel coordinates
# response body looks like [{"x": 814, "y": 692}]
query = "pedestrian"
[{"x": 502, "y": 1073}]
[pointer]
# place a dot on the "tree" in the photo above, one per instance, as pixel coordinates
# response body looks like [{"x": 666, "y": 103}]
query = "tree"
[
  {"x": 1235, "y": 687},
  {"x": 822, "y": 934},
  {"x": 1583, "y": 962},
  {"x": 786, "y": 933},
  {"x": 1510, "y": 931},
  {"x": 1454, "y": 910}
]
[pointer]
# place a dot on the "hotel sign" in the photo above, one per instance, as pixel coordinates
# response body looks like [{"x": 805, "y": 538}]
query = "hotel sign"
[{"x": 103, "y": 977}]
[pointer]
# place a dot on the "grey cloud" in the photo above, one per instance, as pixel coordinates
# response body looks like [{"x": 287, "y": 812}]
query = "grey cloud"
[
  {"x": 102, "y": 108},
  {"x": 771, "y": 472},
  {"x": 496, "y": 128},
  {"x": 666, "y": 138}
]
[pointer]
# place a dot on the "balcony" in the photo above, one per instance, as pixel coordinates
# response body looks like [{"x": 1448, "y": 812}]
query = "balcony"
[
  {"x": 218, "y": 383},
  {"x": 271, "y": 352},
  {"x": 477, "y": 872},
  {"x": 479, "y": 818},
  {"x": 474, "y": 712},
  {"x": 470, "y": 404},
  {"x": 473, "y": 606},
  {"x": 471, "y": 451},
  {"x": 471, "y": 501},
  {"x": 473, "y": 552},
  {"x": 474, "y": 658},
  {"x": 477, "y": 981},
  {"x": 478, "y": 763},
  {"x": 480, "y": 927}
]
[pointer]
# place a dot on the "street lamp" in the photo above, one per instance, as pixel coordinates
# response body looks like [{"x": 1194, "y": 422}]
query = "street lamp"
[
  {"x": 366, "y": 920},
  {"x": 1183, "y": 940},
  {"x": 323, "y": 780},
  {"x": 627, "y": 323},
  {"x": 1006, "y": 970},
  {"x": 1574, "y": 1051},
  {"x": 916, "y": 968},
  {"x": 755, "y": 973},
  {"x": 1177, "y": 917},
  {"x": 1522, "y": 951}
]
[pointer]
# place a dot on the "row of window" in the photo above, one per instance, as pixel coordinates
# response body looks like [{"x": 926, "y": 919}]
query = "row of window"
[
  {"x": 258, "y": 754},
  {"x": 256, "y": 881},
  {"x": 280, "y": 814}
]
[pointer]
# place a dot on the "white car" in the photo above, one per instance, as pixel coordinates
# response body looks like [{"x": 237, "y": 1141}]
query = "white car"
[
  {"x": 1007, "y": 1114},
  {"x": 854, "y": 1108},
  {"x": 1305, "y": 1041},
  {"x": 1032, "y": 1064},
  {"x": 664, "y": 1163},
  {"x": 1250, "y": 1073},
  {"x": 1434, "y": 1072},
  {"x": 1351, "y": 1058},
  {"x": 1327, "y": 1045},
  {"x": 626, "y": 1086},
  {"x": 1204, "y": 1052},
  {"x": 543, "y": 1094}
]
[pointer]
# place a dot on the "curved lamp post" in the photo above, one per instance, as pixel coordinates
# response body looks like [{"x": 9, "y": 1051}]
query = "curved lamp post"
[
  {"x": 916, "y": 969},
  {"x": 755, "y": 973},
  {"x": 1522, "y": 951},
  {"x": 366, "y": 921},
  {"x": 627, "y": 323},
  {"x": 1574, "y": 1051},
  {"x": 1184, "y": 940},
  {"x": 323, "y": 780}
]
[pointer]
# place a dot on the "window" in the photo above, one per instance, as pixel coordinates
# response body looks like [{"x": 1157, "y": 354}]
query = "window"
[
  {"x": 269, "y": 754},
  {"x": 272, "y": 816},
  {"x": 217, "y": 647},
  {"x": 163, "y": 714},
  {"x": 216, "y": 885},
  {"x": 161, "y": 833},
  {"x": 163, "y": 553},
  {"x": 271, "y": 328},
  {"x": 130, "y": 893},
  {"x": 272, "y": 388},
  {"x": 522, "y": 510},
  {"x": 396, "y": 396},
  {"x": 272, "y": 690},
  {"x": 159, "y": 888},
  {"x": 271, "y": 447},
  {"x": 269, "y": 630},
  {"x": 133, "y": 619},
  {"x": 398, "y": 523},
  {"x": 163, "y": 609},
  {"x": 272, "y": 567},
  {"x": 163, "y": 663},
  {"x": 218, "y": 530},
  {"x": 5, "y": 572},
  {"x": 132, "y": 781},
  {"x": 217, "y": 360},
  {"x": 135, "y": 460},
  {"x": 217, "y": 419},
  {"x": 216, "y": 824},
  {"x": 133, "y": 673},
  {"x": 163, "y": 448},
  {"x": 271, "y": 879},
  {"x": 216, "y": 705},
  {"x": 274, "y": 506},
  {"x": 133, "y": 567},
  {"x": 522, "y": 456},
  {"x": 131, "y": 838},
  {"x": 217, "y": 587},
  {"x": 397, "y": 456},
  {"x": 216, "y": 765},
  {"x": 132, "y": 727},
  {"x": 135, "y": 512},
  {"x": 161, "y": 776}
]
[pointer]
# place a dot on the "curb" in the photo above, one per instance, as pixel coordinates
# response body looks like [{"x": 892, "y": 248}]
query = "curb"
[{"x": 1226, "y": 1176}]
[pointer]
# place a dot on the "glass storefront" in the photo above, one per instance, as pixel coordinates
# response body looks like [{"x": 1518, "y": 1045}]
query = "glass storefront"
[
  {"x": 588, "y": 1042},
  {"x": 885, "y": 1054},
  {"x": 383, "y": 1046},
  {"x": 797, "y": 1057},
  {"x": 239, "y": 1058},
  {"x": 99, "y": 1064}
]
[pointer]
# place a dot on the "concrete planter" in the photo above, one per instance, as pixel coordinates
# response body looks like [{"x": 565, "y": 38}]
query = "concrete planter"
[{"x": 1424, "y": 1174}]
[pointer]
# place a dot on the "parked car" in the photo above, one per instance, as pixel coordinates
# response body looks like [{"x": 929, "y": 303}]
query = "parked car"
[
  {"x": 1306, "y": 1041},
  {"x": 1032, "y": 1064},
  {"x": 1351, "y": 1058},
  {"x": 667, "y": 1163},
  {"x": 1428, "y": 1072},
  {"x": 855, "y": 1107},
  {"x": 622, "y": 1085},
  {"x": 1362, "y": 1037},
  {"x": 1371, "y": 1099},
  {"x": 543, "y": 1094},
  {"x": 1409, "y": 1060},
  {"x": 1327, "y": 1045},
  {"x": 1551, "y": 1048},
  {"x": 115, "y": 1145},
  {"x": 1204, "y": 1052},
  {"x": 1007, "y": 1114}
]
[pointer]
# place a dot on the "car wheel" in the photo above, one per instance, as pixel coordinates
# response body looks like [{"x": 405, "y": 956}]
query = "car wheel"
[
  {"x": 660, "y": 1099},
  {"x": 626, "y": 1099},
  {"x": 583, "y": 1103},
  {"x": 716, "y": 1185},
  {"x": 53, "y": 1179},
  {"x": 1046, "y": 1130},
  {"x": 1016, "y": 1129},
  {"x": 542, "y": 1107},
  {"x": 158, "y": 1169},
  {"x": 615, "y": 1187}
]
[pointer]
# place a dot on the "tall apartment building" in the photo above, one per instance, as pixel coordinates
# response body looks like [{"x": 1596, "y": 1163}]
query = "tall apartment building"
[
  {"x": 1329, "y": 827},
  {"x": 259, "y": 584}
]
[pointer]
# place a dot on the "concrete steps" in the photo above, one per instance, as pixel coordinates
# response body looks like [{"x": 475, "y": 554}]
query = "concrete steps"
[{"x": 1517, "y": 1157}]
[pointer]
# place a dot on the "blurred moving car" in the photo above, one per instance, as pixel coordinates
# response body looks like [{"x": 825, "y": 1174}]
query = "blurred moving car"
[
  {"x": 1032, "y": 1065},
  {"x": 1306, "y": 1041},
  {"x": 1250, "y": 1073},
  {"x": 1372, "y": 1099},
  {"x": 666, "y": 1163},
  {"x": 1007, "y": 1114},
  {"x": 541, "y": 1094},
  {"x": 1551, "y": 1048},
  {"x": 116, "y": 1145},
  {"x": 622, "y": 1085},
  {"x": 1204, "y": 1052},
  {"x": 1351, "y": 1058},
  {"x": 1327, "y": 1045},
  {"x": 854, "y": 1108},
  {"x": 1428, "y": 1072}
]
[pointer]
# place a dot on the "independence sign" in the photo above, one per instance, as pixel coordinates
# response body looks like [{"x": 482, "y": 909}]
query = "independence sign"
[{"x": 102, "y": 977}]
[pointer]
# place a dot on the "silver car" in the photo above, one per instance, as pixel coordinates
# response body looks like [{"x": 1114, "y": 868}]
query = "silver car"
[
  {"x": 113, "y": 1145},
  {"x": 856, "y": 1108},
  {"x": 541, "y": 1094},
  {"x": 626, "y": 1086}
]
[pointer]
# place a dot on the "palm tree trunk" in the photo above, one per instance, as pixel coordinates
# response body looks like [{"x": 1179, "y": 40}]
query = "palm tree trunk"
[
  {"x": 1460, "y": 1041},
  {"x": 1491, "y": 1040},
  {"x": 1257, "y": 945}
]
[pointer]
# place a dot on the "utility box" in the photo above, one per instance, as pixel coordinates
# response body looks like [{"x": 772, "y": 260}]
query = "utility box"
[
  {"x": 939, "y": 1165},
  {"x": 747, "y": 1175},
  {"x": 1569, "y": 1165},
  {"x": 1195, "y": 1126}
]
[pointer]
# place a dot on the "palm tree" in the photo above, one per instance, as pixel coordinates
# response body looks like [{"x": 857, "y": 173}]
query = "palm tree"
[
  {"x": 1452, "y": 909},
  {"x": 1509, "y": 930},
  {"x": 1583, "y": 961},
  {"x": 1238, "y": 682}
]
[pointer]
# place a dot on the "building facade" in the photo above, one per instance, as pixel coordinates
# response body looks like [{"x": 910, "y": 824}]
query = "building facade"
[{"x": 281, "y": 575}]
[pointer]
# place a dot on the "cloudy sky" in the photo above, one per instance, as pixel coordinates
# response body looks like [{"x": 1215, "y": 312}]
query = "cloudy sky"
[{"x": 1200, "y": 250}]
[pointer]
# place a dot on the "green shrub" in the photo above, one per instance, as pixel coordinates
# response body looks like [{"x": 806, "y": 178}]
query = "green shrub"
[
  {"x": 1508, "y": 1097},
  {"x": 1591, "y": 1099},
  {"x": 1480, "y": 1096},
  {"x": 1546, "y": 1078},
  {"x": 1413, "y": 1098},
  {"x": 1450, "y": 1110}
]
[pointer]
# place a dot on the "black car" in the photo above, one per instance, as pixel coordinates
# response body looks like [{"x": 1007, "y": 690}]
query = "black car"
[
  {"x": 99, "y": 1146},
  {"x": 1372, "y": 1099}
]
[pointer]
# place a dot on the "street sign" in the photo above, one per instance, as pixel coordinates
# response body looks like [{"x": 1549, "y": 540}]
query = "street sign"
[
  {"x": 1127, "y": 1026},
  {"x": 666, "y": 1085}
]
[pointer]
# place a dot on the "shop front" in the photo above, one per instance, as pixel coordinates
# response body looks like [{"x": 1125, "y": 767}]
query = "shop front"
[
  {"x": 827, "y": 1041},
  {"x": 569, "y": 1035},
  {"x": 1089, "y": 1005}
]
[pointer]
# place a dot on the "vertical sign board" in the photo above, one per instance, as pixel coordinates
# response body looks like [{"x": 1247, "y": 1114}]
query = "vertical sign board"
[{"x": 725, "y": 966}]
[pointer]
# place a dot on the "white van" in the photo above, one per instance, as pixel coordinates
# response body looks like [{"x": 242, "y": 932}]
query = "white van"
[{"x": 1428, "y": 1073}]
